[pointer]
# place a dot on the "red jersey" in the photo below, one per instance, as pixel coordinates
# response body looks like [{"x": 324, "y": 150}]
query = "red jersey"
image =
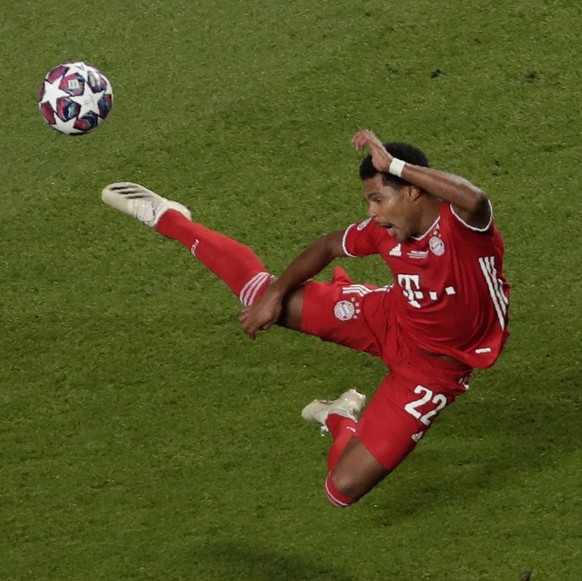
[{"x": 454, "y": 299}]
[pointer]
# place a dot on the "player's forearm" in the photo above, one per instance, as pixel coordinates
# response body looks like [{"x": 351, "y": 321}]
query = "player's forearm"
[
  {"x": 309, "y": 263},
  {"x": 449, "y": 187}
]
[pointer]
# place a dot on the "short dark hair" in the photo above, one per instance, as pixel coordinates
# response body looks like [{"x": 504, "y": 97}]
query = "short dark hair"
[{"x": 404, "y": 151}]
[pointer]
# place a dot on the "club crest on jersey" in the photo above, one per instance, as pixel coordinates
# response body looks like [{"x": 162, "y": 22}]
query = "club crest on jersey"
[
  {"x": 344, "y": 310},
  {"x": 436, "y": 245}
]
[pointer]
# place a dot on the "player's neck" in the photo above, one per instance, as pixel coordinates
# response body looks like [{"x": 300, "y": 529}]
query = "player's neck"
[{"x": 430, "y": 212}]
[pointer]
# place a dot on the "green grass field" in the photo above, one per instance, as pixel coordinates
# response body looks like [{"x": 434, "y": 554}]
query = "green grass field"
[{"x": 142, "y": 436}]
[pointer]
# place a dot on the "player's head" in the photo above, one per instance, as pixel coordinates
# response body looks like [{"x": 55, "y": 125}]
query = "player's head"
[{"x": 394, "y": 203}]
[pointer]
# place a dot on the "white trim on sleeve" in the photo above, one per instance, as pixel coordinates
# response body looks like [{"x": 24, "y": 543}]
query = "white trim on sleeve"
[
  {"x": 344, "y": 241},
  {"x": 484, "y": 229}
]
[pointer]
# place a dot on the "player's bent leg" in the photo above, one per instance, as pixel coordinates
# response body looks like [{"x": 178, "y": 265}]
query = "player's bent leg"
[
  {"x": 389, "y": 429},
  {"x": 344, "y": 486},
  {"x": 354, "y": 475}
]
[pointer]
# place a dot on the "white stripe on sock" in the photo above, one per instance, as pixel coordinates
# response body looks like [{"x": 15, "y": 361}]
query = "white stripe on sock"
[
  {"x": 249, "y": 290},
  {"x": 333, "y": 499},
  {"x": 256, "y": 290}
]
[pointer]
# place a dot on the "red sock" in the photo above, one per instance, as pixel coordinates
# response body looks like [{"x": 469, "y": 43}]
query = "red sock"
[
  {"x": 336, "y": 497},
  {"x": 236, "y": 264},
  {"x": 342, "y": 429}
]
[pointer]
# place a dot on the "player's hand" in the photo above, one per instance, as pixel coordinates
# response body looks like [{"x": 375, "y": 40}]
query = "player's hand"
[
  {"x": 261, "y": 315},
  {"x": 380, "y": 157}
]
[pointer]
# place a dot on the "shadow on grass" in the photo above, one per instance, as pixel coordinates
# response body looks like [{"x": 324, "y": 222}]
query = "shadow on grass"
[{"x": 230, "y": 560}]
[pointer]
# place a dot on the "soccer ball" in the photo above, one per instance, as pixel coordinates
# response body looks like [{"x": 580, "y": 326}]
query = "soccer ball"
[{"x": 75, "y": 98}]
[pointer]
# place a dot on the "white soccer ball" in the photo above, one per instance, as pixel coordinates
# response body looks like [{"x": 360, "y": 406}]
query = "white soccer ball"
[{"x": 75, "y": 98}]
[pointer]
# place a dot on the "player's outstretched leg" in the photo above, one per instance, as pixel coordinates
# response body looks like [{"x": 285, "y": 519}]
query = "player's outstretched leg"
[
  {"x": 141, "y": 203},
  {"x": 236, "y": 264}
]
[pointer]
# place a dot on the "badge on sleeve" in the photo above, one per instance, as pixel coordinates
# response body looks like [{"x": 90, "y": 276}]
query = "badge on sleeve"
[{"x": 363, "y": 224}]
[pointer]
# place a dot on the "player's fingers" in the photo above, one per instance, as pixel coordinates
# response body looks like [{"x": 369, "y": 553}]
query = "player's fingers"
[
  {"x": 363, "y": 138},
  {"x": 243, "y": 319},
  {"x": 249, "y": 331},
  {"x": 358, "y": 140}
]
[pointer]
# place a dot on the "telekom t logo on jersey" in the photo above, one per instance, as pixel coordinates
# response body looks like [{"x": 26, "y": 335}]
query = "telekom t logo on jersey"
[{"x": 410, "y": 285}]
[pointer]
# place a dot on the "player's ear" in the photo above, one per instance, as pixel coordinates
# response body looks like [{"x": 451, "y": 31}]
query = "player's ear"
[{"x": 413, "y": 192}]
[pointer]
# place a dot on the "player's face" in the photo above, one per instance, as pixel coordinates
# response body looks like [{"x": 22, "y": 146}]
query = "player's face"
[{"x": 391, "y": 208}]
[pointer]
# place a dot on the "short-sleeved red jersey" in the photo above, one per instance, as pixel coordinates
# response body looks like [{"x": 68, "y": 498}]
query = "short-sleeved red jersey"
[{"x": 454, "y": 299}]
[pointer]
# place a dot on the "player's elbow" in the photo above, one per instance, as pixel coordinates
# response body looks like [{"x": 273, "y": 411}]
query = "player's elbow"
[
  {"x": 476, "y": 208},
  {"x": 477, "y": 201}
]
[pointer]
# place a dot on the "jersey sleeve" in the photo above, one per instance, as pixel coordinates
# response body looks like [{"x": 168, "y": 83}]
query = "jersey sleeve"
[
  {"x": 461, "y": 222},
  {"x": 360, "y": 239}
]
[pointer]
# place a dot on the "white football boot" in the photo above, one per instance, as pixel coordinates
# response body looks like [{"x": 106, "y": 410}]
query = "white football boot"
[
  {"x": 349, "y": 404},
  {"x": 140, "y": 202}
]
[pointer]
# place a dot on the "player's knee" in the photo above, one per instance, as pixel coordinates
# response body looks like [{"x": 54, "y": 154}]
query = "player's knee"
[{"x": 337, "y": 494}]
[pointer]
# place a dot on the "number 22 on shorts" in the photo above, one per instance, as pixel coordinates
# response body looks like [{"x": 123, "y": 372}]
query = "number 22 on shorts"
[{"x": 439, "y": 400}]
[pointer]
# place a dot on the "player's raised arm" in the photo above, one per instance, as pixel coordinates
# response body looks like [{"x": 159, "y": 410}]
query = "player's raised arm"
[
  {"x": 266, "y": 311},
  {"x": 470, "y": 203}
]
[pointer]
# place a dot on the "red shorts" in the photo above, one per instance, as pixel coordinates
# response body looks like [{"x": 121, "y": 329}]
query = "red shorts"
[{"x": 418, "y": 385}]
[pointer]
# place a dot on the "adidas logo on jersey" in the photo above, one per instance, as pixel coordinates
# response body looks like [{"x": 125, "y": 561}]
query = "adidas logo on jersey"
[{"x": 396, "y": 251}]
